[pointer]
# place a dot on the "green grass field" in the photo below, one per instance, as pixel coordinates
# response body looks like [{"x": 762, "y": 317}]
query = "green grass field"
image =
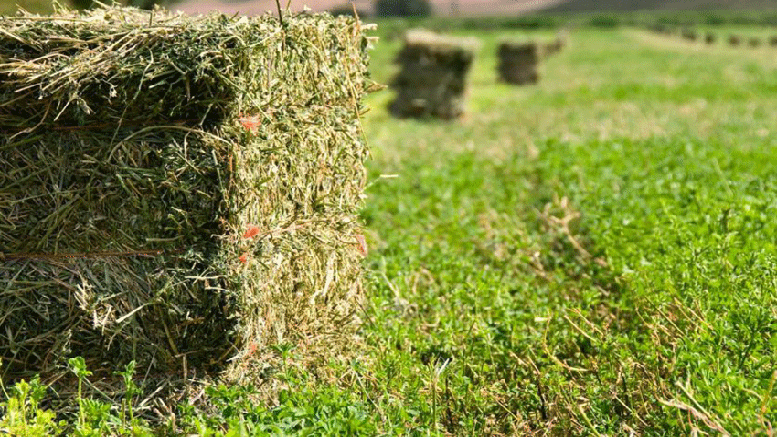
[{"x": 594, "y": 255}]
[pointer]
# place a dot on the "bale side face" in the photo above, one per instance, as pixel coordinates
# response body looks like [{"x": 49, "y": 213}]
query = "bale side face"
[
  {"x": 140, "y": 160},
  {"x": 519, "y": 63},
  {"x": 432, "y": 80}
]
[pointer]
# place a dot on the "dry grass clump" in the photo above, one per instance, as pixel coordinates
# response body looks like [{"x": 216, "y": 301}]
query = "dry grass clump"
[
  {"x": 519, "y": 62},
  {"x": 433, "y": 76},
  {"x": 178, "y": 191}
]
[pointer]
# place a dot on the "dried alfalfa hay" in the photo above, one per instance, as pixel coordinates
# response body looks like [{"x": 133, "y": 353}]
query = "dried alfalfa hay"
[
  {"x": 710, "y": 38},
  {"x": 518, "y": 62},
  {"x": 734, "y": 40},
  {"x": 183, "y": 192},
  {"x": 432, "y": 80}
]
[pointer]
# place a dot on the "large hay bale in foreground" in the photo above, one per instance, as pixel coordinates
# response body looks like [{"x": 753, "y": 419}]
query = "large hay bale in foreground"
[
  {"x": 518, "y": 62},
  {"x": 178, "y": 191},
  {"x": 432, "y": 80}
]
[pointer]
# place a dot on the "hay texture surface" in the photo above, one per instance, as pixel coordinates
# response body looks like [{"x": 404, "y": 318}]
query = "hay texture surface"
[
  {"x": 519, "y": 62},
  {"x": 432, "y": 81},
  {"x": 179, "y": 191}
]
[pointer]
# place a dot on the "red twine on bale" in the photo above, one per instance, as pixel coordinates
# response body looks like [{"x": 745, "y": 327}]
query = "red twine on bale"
[
  {"x": 251, "y": 232},
  {"x": 250, "y": 122},
  {"x": 362, "y": 244}
]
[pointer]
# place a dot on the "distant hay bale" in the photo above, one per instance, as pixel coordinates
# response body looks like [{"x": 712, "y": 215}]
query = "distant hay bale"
[
  {"x": 178, "y": 191},
  {"x": 659, "y": 28},
  {"x": 734, "y": 40},
  {"x": 518, "y": 62},
  {"x": 754, "y": 42},
  {"x": 555, "y": 46},
  {"x": 432, "y": 81},
  {"x": 773, "y": 41},
  {"x": 690, "y": 35},
  {"x": 709, "y": 38}
]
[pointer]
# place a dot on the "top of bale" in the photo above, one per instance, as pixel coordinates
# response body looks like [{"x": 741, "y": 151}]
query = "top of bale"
[
  {"x": 518, "y": 47},
  {"x": 61, "y": 69},
  {"x": 435, "y": 43}
]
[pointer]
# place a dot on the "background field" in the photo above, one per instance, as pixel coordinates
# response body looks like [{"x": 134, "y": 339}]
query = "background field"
[{"x": 591, "y": 255}]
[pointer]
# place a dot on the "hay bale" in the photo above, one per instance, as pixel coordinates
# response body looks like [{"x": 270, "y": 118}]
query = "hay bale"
[
  {"x": 551, "y": 48},
  {"x": 734, "y": 40},
  {"x": 518, "y": 62},
  {"x": 773, "y": 41},
  {"x": 178, "y": 191},
  {"x": 690, "y": 35},
  {"x": 432, "y": 80},
  {"x": 754, "y": 42},
  {"x": 710, "y": 38}
]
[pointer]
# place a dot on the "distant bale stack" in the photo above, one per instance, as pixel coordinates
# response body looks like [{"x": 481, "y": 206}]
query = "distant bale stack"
[
  {"x": 754, "y": 42},
  {"x": 555, "y": 46},
  {"x": 519, "y": 62},
  {"x": 551, "y": 48},
  {"x": 734, "y": 40},
  {"x": 432, "y": 81},
  {"x": 690, "y": 35},
  {"x": 659, "y": 28},
  {"x": 182, "y": 192},
  {"x": 709, "y": 38}
]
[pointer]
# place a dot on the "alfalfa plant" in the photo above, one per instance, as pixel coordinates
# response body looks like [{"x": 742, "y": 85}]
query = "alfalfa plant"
[{"x": 20, "y": 413}]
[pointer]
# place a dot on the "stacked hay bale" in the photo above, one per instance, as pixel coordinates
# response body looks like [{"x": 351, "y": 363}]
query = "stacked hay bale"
[
  {"x": 555, "y": 46},
  {"x": 178, "y": 191},
  {"x": 551, "y": 48},
  {"x": 432, "y": 81},
  {"x": 519, "y": 62},
  {"x": 690, "y": 34}
]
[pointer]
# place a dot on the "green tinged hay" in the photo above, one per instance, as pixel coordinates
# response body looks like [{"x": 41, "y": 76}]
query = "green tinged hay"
[
  {"x": 433, "y": 76},
  {"x": 141, "y": 151}
]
